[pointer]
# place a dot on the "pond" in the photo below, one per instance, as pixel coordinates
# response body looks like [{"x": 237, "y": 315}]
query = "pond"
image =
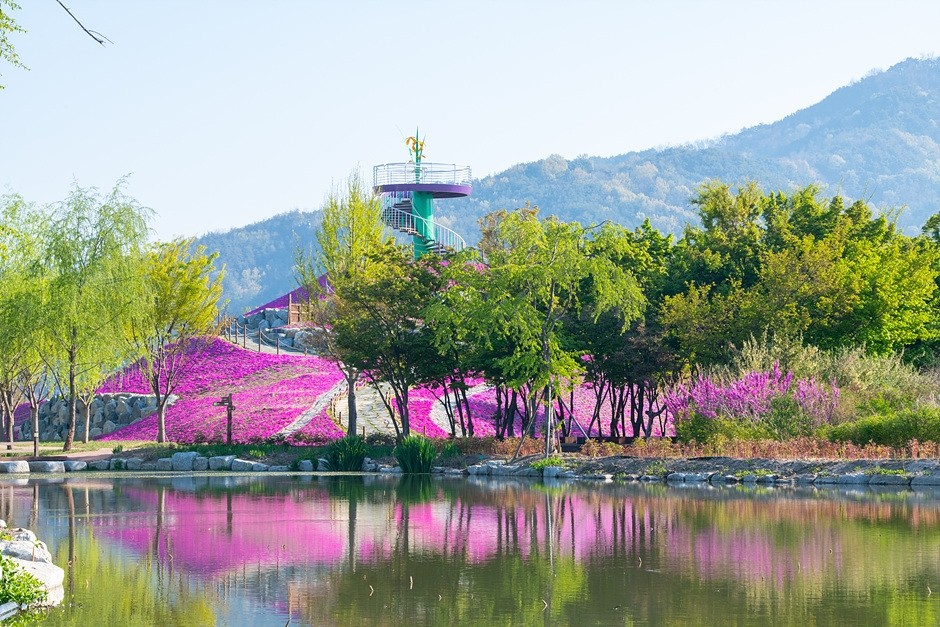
[{"x": 353, "y": 550}]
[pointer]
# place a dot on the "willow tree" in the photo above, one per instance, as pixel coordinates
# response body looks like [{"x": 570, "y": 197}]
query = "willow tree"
[
  {"x": 350, "y": 232},
  {"x": 176, "y": 307},
  {"x": 92, "y": 258}
]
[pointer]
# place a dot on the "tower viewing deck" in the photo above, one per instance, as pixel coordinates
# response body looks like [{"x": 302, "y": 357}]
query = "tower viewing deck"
[
  {"x": 408, "y": 191},
  {"x": 441, "y": 180}
]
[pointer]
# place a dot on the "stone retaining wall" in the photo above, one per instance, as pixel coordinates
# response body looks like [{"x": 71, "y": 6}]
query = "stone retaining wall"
[{"x": 108, "y": 412}]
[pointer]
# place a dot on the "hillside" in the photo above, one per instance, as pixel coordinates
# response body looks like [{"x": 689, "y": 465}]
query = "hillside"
[
  {"x": 259, "y": 258},
  {"x": 877, "y": 138}
]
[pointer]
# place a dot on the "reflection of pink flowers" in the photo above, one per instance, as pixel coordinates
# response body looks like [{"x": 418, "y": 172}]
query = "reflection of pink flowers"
[{"x": 269, "y": 393}]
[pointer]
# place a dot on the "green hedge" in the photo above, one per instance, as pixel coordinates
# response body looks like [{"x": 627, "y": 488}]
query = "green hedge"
[{"x": 891, "y": 429}]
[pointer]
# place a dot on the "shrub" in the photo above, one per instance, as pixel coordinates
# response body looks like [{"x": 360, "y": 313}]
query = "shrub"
[
  {"x": 547, "y": 462},
  {"x": 346, "y": 453},
  {"x": 19, "y": 586},
  {"x": 449, "y": 450},
  {"x": 895, "y": 429},
  {"x": 117, "y": 450},
  {"x": 415, "y": 454},
  {"x": 256, "y": 453},
  {"x": 593, "y": 448}
]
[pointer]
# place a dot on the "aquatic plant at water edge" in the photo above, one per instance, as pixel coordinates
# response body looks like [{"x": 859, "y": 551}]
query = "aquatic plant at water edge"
[
  {"x": 19, "y": 586},
  {"x": 347, "y": 453},
  {"x": 415, "y": 455}
]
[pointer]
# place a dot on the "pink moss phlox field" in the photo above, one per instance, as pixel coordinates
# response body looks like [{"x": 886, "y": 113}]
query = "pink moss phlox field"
[
  {"x": 269, "y": 393},
  {"x": 751, "y": 397}
]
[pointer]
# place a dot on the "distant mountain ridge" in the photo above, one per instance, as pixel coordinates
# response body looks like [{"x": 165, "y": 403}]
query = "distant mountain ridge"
[{"x": 877, "y": 138}]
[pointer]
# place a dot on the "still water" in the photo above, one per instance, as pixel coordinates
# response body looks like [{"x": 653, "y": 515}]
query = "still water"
[{"x": 346, "y": 550}]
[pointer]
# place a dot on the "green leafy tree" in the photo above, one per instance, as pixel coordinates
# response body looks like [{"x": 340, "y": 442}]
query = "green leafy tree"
[
  {"x": 92, "y": 257},
  {"x": 540, "y": 272},
  {"x": 379, "y": 325},
  {"x": 177, "y": 306},
  {"x": 350, "y": 232}
]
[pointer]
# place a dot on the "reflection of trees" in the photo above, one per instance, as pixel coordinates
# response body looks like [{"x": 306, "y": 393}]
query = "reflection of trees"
[
  {"x": 445, "y": 552},
  {"x": 105, "y": 588}
]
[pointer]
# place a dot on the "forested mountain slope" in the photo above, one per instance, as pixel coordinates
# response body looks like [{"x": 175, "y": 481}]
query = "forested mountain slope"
[{"x": 876, "y": 139}]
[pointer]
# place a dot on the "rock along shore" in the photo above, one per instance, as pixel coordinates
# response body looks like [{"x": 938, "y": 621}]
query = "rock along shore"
[
  {"x": 32, "y": 556},
  {"x": 715, "y": 470}
]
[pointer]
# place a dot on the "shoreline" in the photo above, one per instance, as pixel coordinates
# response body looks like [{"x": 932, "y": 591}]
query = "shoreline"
[{"x": 898, "y": 473}]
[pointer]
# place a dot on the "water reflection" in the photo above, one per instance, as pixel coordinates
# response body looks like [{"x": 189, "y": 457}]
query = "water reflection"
[{"x": 348, "y": 550}]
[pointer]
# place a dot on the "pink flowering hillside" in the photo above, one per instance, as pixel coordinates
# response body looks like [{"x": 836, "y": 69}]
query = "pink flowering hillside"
[{"x": 270, "y": 392}]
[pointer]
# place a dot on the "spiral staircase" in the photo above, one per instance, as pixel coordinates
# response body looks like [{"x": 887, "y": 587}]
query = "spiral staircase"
[{"x": 408, "y": 191}]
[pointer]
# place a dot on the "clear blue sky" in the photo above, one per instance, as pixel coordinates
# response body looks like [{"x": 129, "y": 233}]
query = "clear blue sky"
[{"x": 227, "y": 112}]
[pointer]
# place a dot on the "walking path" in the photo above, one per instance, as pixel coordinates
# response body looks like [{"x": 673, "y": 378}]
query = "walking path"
[{"x": 371, "y": 413}]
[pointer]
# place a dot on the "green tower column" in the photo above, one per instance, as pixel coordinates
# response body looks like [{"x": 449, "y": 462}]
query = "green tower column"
[{"x": 422, "y": 204}]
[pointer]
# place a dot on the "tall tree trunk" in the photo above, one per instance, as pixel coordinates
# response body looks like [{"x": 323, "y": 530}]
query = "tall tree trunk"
[
  {"x": 34, "y": 418},
  {"x": 161, "y": 420},
  {"x": 73, "y": 356},
  {"x": 352, "y": 417}
]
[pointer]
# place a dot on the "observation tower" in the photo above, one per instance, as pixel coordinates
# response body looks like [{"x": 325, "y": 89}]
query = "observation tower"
[{"x": 407, "y": 192}]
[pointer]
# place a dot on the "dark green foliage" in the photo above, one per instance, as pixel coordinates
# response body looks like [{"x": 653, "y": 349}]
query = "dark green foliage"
[
  {"x": 891, "y": 429},
  {"x": 415, "y": 455},
  {"x": 347, "y": 453},
  {"x": 450, "y": 449},
  {"x": 18, "y": 585}
]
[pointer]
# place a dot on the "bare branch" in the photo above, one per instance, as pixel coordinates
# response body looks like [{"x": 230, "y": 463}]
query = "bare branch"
[{"x": 91, "y": 33}]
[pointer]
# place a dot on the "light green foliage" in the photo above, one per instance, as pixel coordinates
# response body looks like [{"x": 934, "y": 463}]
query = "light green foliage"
[
  {"x": 7, "y": 26},
  {"x": 415, "y": 455},
  {"x": 347, "y": 453},
  {"x": 548, "y": 462},
  {"x": 350, "y": 234},
  {"x": 176, "y": 303},
  {"x": 891, "y": 428},
  {"x": 19, "y": 586},
  {"x": 92, "y": 257}
]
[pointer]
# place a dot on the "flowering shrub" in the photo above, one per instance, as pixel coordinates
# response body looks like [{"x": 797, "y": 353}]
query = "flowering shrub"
[
  {"x": 269, "y": 392},
  {"x": 759, "y": 398}
]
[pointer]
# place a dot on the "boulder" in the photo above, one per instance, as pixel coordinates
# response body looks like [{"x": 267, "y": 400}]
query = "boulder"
[
  {"x": 221, "y": 462},
  {"x": 148, "y": 466},
  {"x": 478, "y": 469},
  {"x": 29, "y": 550},
  {"x": 393, "y": 470},
  {"x": 183, "y": 462},
  {"x": 103, "y": 464},
  {"x": 765, "y": 479},
  {"x": 240, "y": 465},
  {"x": 550, "y": 472},
  {"x": 117, "y": 464},
  {"x": 853, "y": 478},
  {"x": 306, "y": 465},
  {"x": 165, "y": 463},
  {"x": 278, "y": 468},
  {"x": 13, "y": 467},
  {"x": 133, "y": 463},
  {"x": 323, "y": 465},
  {"x": 926, "y": 480},
  {"x": 675, "y": 477},
  {"x": 50, "y": 575},
  {"x": 890, "y": 480},
  {"x": 107, "y": 428},
  {"x": 94, "y": 433},
  {"x": 75, "y": 466},
  {"x": 201, "y": 463},
  {"x": 259, "y": 467},
  {"x": 46, "y": 467}
]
